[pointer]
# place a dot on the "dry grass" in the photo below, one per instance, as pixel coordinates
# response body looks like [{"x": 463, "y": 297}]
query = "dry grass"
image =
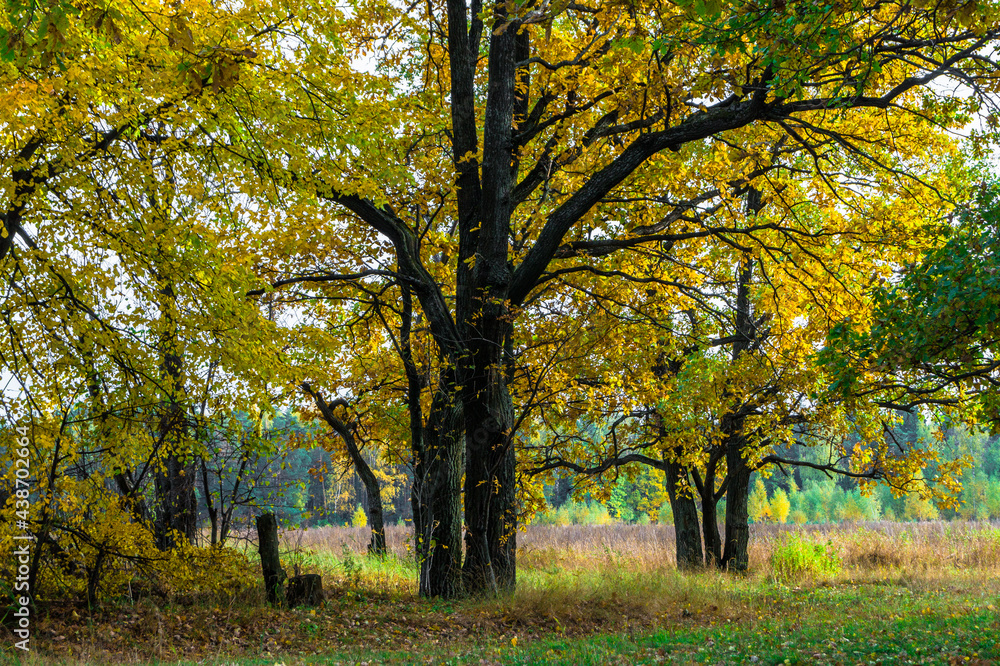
[
  {"x": 911, "y": 548},
  {"x": 578, "y": 577},
  {"x": 335, "y": 539},
  {"x": 868, "y": 546}
]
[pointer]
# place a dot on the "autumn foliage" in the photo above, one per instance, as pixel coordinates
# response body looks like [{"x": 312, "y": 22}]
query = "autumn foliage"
[{"x": 511, "y": 243}]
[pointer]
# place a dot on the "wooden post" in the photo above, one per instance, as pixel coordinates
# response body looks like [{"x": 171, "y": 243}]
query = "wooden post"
[{"x": 270, "y": 564}]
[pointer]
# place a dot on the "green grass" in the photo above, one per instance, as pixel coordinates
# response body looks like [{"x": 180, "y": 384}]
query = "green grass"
[
  {"x": 825, "y": 626},
  {"x": 807, "y": 636},
  {"x": 869, "y": 622}
]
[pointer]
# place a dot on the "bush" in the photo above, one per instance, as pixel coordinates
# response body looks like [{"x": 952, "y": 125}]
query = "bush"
[
  {"x": 574, "y": 513},
  {"x": 758, "y": 506},
  {"x": 780, "y": 506},
  {"x": 666, "y": 515},
  {"x": 589, "y": 513},
  {"x": 559, "y": 517},
  {"x": 796, "y": 557},
  {"x": 919, "y": 508},
  {"x": 359, "y": 519}
]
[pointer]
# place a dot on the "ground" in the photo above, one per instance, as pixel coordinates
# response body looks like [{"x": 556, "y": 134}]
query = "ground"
[{"x": 882, "y": 593}]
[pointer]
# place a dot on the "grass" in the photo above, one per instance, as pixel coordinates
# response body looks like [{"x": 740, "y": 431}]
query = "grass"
[{"x": 904, "y": 594}]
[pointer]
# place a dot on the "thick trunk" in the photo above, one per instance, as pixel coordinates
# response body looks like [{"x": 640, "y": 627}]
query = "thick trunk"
[
  {"x": 438, "y": 463},
  {"x": 688, "y": 536},
  {"x": 735, "y": 557},
  {"x": 709, "y": 511},
  {"x": 710, "y": 529},
  {"x": 270, "y": 562},
  {"x": 502, "y": 526},
  {"x": 490, "y": 508},
  {"x": 177, "y": 508},
  {"x": 438, "y": 491},
  {"x": 490, "y": 494}
]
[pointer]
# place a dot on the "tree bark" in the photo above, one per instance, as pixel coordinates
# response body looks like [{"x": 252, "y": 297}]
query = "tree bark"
[
  {"x": 710, "y": 529},
  {"x": 736, "y": 557},
  {"x": 709, "y": 510},
  {"x": 490, "y": 564},
  {"x": 438, "y": 449},
  {"x": 176, "y": 503},
  {"x": 177, "y": 509},
  {"x": 490, "y": 495},
  {"x": 687, "y": 534},
  {"x": 441, "y": 566},
  {"x": 748, "y": 338},
  {"x": 270, "y": 562}
]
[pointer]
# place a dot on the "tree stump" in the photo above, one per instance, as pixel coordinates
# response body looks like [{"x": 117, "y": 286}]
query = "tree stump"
[
  {"x": 270, "y": 563},
  {"x": 306, "y": 589}
]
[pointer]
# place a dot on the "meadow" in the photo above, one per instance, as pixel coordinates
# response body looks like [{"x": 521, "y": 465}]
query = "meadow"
[{"x": 866, "y": 593}]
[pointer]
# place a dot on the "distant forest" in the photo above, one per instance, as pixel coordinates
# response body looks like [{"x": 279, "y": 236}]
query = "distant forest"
[{"x": 309, "y": 482}]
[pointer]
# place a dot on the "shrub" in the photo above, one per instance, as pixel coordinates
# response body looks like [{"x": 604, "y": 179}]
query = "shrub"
[
  {"x": 991, "y": 498},
  {"x": 795, "y": 557},
  {"x": 559, "y": 517},
  {"x": 758, "y": 506},
  {"x": 575, "y": 513},
  {"x": 618, "y": 504},
  {"x": 919, "y": 508},
  {"x": 359, "y": 519},
  {"x": 871, "y": 507},
  {"x": 780, "y": 506}
]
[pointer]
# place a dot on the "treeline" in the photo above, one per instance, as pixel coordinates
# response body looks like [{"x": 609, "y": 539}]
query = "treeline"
[
  {"x": 799, "y": 495},
  {"x": 310, "y": 487}
]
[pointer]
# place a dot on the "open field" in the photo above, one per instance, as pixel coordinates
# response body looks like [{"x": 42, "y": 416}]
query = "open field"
[{"x": 887, "y": 593}]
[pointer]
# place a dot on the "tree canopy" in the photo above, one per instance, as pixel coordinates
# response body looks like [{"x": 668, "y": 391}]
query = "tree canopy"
[{"x": 500, "y": 220}]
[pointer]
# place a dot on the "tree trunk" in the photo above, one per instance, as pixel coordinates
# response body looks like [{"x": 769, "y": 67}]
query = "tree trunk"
[
  {"x": 131, "y": 499},
  {"x": 213, "y": 513},
  {"x": 176, "y": 502},
  {"x": 710, "y": 529},
  {"x": 748, "y": 338},
  {"x": 94, "y": 578},
  {"x": 735, "y": 557},
  {"x": 442, "y": 467},
  {"x": 709, "y": 511},
  {"x": 177, "y": 508},
  {"x": 376, "y": 546},
  {"x": 438, "y": 464},
  {"x": 502, "y": 526},
  {"x": 270, "y": 562},
  {"x": 490, "y": 493},
  {"x": 688, "y": 536}
]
